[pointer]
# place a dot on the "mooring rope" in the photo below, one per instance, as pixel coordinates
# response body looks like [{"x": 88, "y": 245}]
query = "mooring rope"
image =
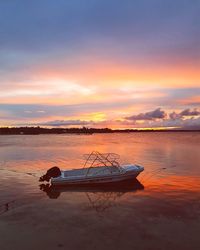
[
  {"x": 154, "y": 172},
  {"x": 19, "y": 172}
]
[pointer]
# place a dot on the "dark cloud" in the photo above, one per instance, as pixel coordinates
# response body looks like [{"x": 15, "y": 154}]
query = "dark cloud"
[
  {"x": 58, "y": 123},
  {"x": 152, "y": 115},
  {"x": 185, "y": 112},
  {"x": 188, "y": 112},
  {"x": 186, "y": 119},
  {"x": 174, "y": 116}
]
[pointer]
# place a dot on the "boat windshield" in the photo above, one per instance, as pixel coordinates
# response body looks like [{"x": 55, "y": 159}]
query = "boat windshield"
[{"x": 96, "y": 159}]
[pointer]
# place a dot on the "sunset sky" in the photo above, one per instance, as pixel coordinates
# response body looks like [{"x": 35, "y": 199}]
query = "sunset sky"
[{"x": 100, "y": 63}]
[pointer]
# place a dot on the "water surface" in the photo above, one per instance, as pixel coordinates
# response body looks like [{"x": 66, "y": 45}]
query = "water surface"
[{"x": 163, "y": 212}]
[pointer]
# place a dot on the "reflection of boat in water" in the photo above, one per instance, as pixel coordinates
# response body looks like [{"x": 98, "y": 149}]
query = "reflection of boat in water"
[
  {"x": 99, "y": 197},
  {"x": 121, "y": 187},
  {"x": 100, "y": 169}
]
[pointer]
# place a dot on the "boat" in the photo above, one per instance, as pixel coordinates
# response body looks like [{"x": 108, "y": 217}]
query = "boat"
[{"x": 99, "y": 169}]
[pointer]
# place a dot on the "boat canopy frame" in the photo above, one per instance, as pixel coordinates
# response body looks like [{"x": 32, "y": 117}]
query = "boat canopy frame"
[{"x": 96, "y": 159}]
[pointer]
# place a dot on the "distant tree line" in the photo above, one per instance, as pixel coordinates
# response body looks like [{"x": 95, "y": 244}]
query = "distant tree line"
[
  {"x": 39, "y": 130},
  {"x": 84, "y": 130}
]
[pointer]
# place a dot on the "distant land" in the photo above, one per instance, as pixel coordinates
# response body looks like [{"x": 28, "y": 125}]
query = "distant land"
[{"x": 83, "y": 130}]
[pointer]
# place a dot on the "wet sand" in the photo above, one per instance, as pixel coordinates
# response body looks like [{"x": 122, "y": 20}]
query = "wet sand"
[{"x": 114, "y": 221}]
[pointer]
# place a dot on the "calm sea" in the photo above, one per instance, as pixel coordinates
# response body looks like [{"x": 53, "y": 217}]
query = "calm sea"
[{"x": 161, "y": 212}]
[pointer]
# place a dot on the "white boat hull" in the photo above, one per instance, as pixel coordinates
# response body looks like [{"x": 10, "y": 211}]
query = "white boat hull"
[{"x": 70, "y": 177}]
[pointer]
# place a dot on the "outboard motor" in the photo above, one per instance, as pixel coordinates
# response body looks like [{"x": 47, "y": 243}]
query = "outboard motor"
[{"x": 52, "y": 172}]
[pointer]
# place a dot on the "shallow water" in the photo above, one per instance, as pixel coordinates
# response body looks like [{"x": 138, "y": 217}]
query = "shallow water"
[{"x": 163, "y": 212}]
